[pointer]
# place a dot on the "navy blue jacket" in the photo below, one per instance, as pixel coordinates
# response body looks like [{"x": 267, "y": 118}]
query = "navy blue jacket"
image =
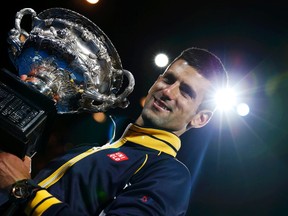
[{"x": 136, "y": 175}]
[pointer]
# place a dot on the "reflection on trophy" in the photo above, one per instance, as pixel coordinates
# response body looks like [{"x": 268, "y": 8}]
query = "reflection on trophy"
[{"x": 65, "y": 60}]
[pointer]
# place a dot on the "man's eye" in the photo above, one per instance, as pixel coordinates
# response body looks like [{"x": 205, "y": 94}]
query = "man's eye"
[
  {"x": 184, "y": 93},
  {"x": 168, "y": 79},
  {"x": 187, "y": 92}
]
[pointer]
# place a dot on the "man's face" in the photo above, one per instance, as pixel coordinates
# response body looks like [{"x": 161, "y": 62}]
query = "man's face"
[{"x": 173, "y": 100}]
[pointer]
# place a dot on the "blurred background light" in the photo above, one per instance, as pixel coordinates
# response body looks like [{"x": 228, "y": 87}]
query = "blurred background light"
[
  {"x": 92, "y": 1},
  {"x": 99, "y": 117},
  {"x": 142, "y": 101},
  {"x": 243, "y": 109},
  {"x": 161, "y": 60}
]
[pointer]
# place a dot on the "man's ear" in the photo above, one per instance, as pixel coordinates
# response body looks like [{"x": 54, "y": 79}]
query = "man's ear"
[{"x": 200, "y": 119}]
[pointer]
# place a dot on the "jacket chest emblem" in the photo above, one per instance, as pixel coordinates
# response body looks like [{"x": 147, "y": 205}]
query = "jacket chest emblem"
[{"x": 118, "y": 156}]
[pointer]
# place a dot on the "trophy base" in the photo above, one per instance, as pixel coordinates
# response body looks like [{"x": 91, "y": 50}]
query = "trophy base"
[{"x": 25, "y": 116}]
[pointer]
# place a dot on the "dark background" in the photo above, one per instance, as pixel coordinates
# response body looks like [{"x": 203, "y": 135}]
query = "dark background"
[{"x": 238, "y": 164}]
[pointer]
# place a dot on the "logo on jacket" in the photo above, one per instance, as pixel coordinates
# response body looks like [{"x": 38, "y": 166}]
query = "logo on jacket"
[{"x": 118, "y": 156}]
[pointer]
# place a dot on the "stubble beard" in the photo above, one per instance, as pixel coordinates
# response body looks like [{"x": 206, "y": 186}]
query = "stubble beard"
[{"x": 152, "y": 119}]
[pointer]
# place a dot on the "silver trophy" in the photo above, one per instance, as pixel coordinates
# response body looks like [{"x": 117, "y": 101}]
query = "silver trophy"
[{"x": 65, "y": 60}]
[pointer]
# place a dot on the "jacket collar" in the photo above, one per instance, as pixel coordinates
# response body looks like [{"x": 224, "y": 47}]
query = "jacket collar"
[{"x": 160, "y": 140}]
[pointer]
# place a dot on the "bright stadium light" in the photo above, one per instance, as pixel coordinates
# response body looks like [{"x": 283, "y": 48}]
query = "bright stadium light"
[{"x": 225, "y": 99}]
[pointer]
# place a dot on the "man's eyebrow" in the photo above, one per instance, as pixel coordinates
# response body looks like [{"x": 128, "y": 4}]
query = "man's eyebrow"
[{"x": 169, "y": 74}]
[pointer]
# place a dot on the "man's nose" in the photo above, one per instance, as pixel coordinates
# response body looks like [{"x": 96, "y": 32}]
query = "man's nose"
[{"x": 171, "y": 91}]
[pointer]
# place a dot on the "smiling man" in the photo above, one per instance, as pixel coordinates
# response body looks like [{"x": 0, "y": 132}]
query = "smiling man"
[
  {"x": 173, "y": 100},
  {"x": 137, "y": 174}
]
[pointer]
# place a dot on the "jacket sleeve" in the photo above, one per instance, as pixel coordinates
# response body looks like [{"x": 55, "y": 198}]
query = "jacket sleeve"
[
  {"x": 42, "y": 201},
  {"x": 160, "y": 189}
]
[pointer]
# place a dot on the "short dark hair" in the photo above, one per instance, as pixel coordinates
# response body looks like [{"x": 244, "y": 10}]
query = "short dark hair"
[{"x": 210, "y": 66}]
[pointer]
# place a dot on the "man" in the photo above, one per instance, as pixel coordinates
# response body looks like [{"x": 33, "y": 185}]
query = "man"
[{"x": 139, "y": 173}]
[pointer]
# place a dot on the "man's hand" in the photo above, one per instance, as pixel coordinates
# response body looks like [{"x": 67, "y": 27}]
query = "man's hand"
[{"x": 13, "y": 169}]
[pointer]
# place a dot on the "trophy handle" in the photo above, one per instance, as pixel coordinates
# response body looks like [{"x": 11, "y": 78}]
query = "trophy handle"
[
  {"x": 105, "y": 102},
  {"x": 17, "y": 35},
  {"x": 123, "y": 96}
]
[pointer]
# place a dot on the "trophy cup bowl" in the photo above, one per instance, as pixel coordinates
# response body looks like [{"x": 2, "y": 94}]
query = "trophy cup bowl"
[
  {"x": 65, "y": 64},
  {"x": 69, "y": 59}
]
